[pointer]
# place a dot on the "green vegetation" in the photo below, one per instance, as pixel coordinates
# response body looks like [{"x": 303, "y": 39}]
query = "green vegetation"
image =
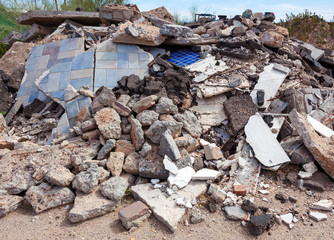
[
  {"x": 8, "y": 23},
  {"x": 310, "y": 27},
  {"x": 3, "y": 113}
]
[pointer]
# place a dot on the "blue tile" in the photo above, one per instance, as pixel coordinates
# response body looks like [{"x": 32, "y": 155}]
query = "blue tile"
[
  {"x": 77, "y": 83},
  {"x": 82, "y": 102},
  {"x": 143, "y": 56},
  {"x": 64, "y": 45},
  {"x": 143, "y": 64},
  {"x": 100, "y": 77},
  {"x": 64, "y": 80},
  {"x": 87, "y": 61},
  {"x": 44, "y": 80},
  {"x": 126, "y": 48},
  {"x": 37, "y": 51},
  {"x": 52, "y": 44},
  {"x": 41, "y": 96},
  {"x": 106, "y": 56},
  {"x": 32, "y": 60},
  {"x": 43, "y": 86},
  {"x": 72, "y": 109},
  {"x": 76, "y": 62},
  {"x": 52, "y": 60},
  {"x": 61, "y": 67},
  {"x": 53, "y": 83},
  {"x": 72, "y": 121},
  {"x": 23, "y": 91},
  {"x": 31, "y": 68},
  {"x": 73, "y": 45},
  {"x": 65, "y": 60},
  {"x": 33, "y": 94},
  {"x": 123, "y": 60},
  {"x": 59, "y": 94},
  {"x": 111, "y": 78}
]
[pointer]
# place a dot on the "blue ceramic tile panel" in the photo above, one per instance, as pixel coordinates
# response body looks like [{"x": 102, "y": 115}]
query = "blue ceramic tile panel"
[
  {"x": 133, "y": 60},
  {"x": 100, "y": 77},
  {"x": 53, "y": 83},
  {"x": 65, "y": 60},
  {"x": 77, "y": 83},
  {"x": 33, "y": 94},
  {"x": 32, "y": 60},
  {"x": 44, "y": 80},
  {"x": 85, "y": 101},
  {"x": 61, "y": 67},
  {"x": 64, "y": 80},
  {"x": 52, "y": 44},
  {"x": 106, "y": 56},
  {"x": 106, "y": 64},
  {"x": 58, "y": 94},
  {"x": 31, "y": 68},
  {"x": 50, "y": 51},
  {"x": 72, "y": 121},
  {"x": 143, "y": 57},
  {"x": 143, "y": 64},
  {"x": 76, "y": 62},
  {"x": 184, "y": 58},
  {"x": 111, "y": 78},
  {"x": 126, "y": 48},
  {"x": 72, "y": 109},
  {"x": 73, "y": 45},
  {"x": 41, "y": 96},
  {"x": 52, "y": 61},
  {"x": 64, "y": 45},
  {"x": 37, "y": 51},
  {"x": 123, "y": 60},
  {"x": 23, "y": 91},
  {"x": 88, "y": 60}
]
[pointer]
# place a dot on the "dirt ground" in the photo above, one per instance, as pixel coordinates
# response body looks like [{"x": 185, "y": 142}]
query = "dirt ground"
[{"x": 53, "y": 224}]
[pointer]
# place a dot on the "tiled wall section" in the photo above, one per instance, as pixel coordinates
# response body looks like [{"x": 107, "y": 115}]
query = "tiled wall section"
[
  {"x": 42, "y": 58},
  {"x": 113, "y": 61}
]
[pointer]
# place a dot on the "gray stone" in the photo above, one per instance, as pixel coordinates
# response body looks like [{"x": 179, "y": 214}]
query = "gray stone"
[
  {"x": 115, "y": 163},
  {"x": 106, "y": 149},
  {"x": 235, "y": 213},
  {"x": 109, "y": 123},
  {"x": 114, "y": 189},
  {"x": 146, "y": 149},
  {"x": 190, "y": 123},
  {"x": 88, "y": 125},
  {"x": 147, "y": 117},
  {"x": 70, "y": 93},
  {"x": 105, "y": 97},
  {"x": 19, "y": 182},
  {"x": 176, "y": 31},
  {"x": 212, "y": 152},
  {"x": 196, "y": 217},
  {"x": 59, "y": 176},
  {"x": 324, "y": 205},
  {"x": 88, "y": 206},
  {"x": 88, "y": 180},
  {"x": 168, "y": 147},
  {"x": 166, "y": 106},
  {"x": 154, "y": 133},
  {"x": 152, "y": 167},
  {"x": 9, "y": 203},
  {"x": 318, "y": 216},
  {"x": 45, "y": 196},
  {"x": 258, "y": 224},
  {"x": 104, "y": 175},
  {"x": 144, "y": 103},
  {"x": 164, "y": 207},
  {"x": 137, "y": 133}
]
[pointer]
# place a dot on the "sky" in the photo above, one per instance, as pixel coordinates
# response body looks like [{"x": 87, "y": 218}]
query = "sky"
[{"x": 325, "y": 8}]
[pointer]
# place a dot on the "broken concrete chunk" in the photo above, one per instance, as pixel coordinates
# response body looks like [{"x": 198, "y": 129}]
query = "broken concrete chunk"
[
  {"x": 310, "y": 167},
  {"x": 235, "y": 213},
  {"x": 163, "y": 207},
  {"x": 131, "y": 163},
  {"x": 258, "y": 224},
  {"x": 114, "y": 188},
  {"x": 147, "y": 117},
  {"x": 321, "y": 148},
  {"x": 87, "y": 206},
  {"x": 122, "y": 109},
  {"x": 137, "y": 133},
  {"x": 168, "y": 147},
  {"x": 45, "y": 196},
  {"x": 304, "y": 175},
  {"x": 182, "y": 178},
  {"x": 212, "y": 152},
  {"x": 265, "y": 146},
  {"x": 59, "y": 176},
  {"x": 170, "y": 166},
  {"x": 154, "y": 133},
  {"x": 106, "y": 149},
  {"x": 144, "y": 103},
  {"x": 206, "y": 174},
  {"x": 115, "y": 163},
  {"x": 324, "y": 205},
  {"x": 318, "y": 216},
  {"x": 9, "y": 203},
  {"x": 320, "y": 128},
  {"x": 174, "y": 30},
  {"x": 272, "y": 39},
  {"x": 166, "y": 106},
  {"x": 133, "y": 215},
  {"x": 190, "y": 123},
  {"x": 238, "y": 110},
  {"x": 109, "y": 123},
  {"x": 86, "y": 181}
]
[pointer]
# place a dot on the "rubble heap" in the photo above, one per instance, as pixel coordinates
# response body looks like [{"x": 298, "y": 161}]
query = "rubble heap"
[{"x": 96, "y": 115}]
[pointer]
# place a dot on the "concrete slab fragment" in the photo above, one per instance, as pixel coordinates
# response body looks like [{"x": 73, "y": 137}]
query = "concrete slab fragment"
[
  {"x": 163, "y": 207},
  {"x": 320, "y": 128},
  {"x": 265, "y": 145},
  {"x": 270, "y": 80}
]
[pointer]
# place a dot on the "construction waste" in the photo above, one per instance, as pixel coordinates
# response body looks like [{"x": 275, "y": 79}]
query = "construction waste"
[{"x": 123, "y": 101}]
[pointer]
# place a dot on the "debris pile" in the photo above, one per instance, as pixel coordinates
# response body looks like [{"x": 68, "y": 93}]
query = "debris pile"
[{"x": 101, "y": 110}]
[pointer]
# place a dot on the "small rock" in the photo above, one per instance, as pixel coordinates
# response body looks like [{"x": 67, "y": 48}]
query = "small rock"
[
  {"x": 258, "y": 224},
  {"x": 170, "y": 166},
  {"x": 264, "y": 192},
  {"x": 318, "y": 216},
  {"x": 114, "y": 188},
  {"x": 310, "y": 167},
  {"x": 115, "y": 163},
  {"x": 106, "y": 149},
  {"x": 212, "y": 152},
  {"x": 206, "y": 174},
  {"x": 325, "y": 205},
  {"x": 166, "y": 106},
  {"x": 86, "y": 181},
  {"x": 240, "y": 190},
  {"x": 248, "y": 206},
  {"x": 304, "y": 175},
  {"x": 59, "y": 176},
  {"x": 235, "y": 213},
  {"x": 196, "y": 217},
  {"x": 287, "y": 218}
]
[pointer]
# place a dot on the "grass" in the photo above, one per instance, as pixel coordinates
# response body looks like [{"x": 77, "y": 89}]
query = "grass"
[
  {"x": 8, "y": 23},
  {"x": 310, "y": 27}
]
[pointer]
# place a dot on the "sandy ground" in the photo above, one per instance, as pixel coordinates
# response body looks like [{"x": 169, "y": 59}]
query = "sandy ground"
[{"x": 53, "y": 224}]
